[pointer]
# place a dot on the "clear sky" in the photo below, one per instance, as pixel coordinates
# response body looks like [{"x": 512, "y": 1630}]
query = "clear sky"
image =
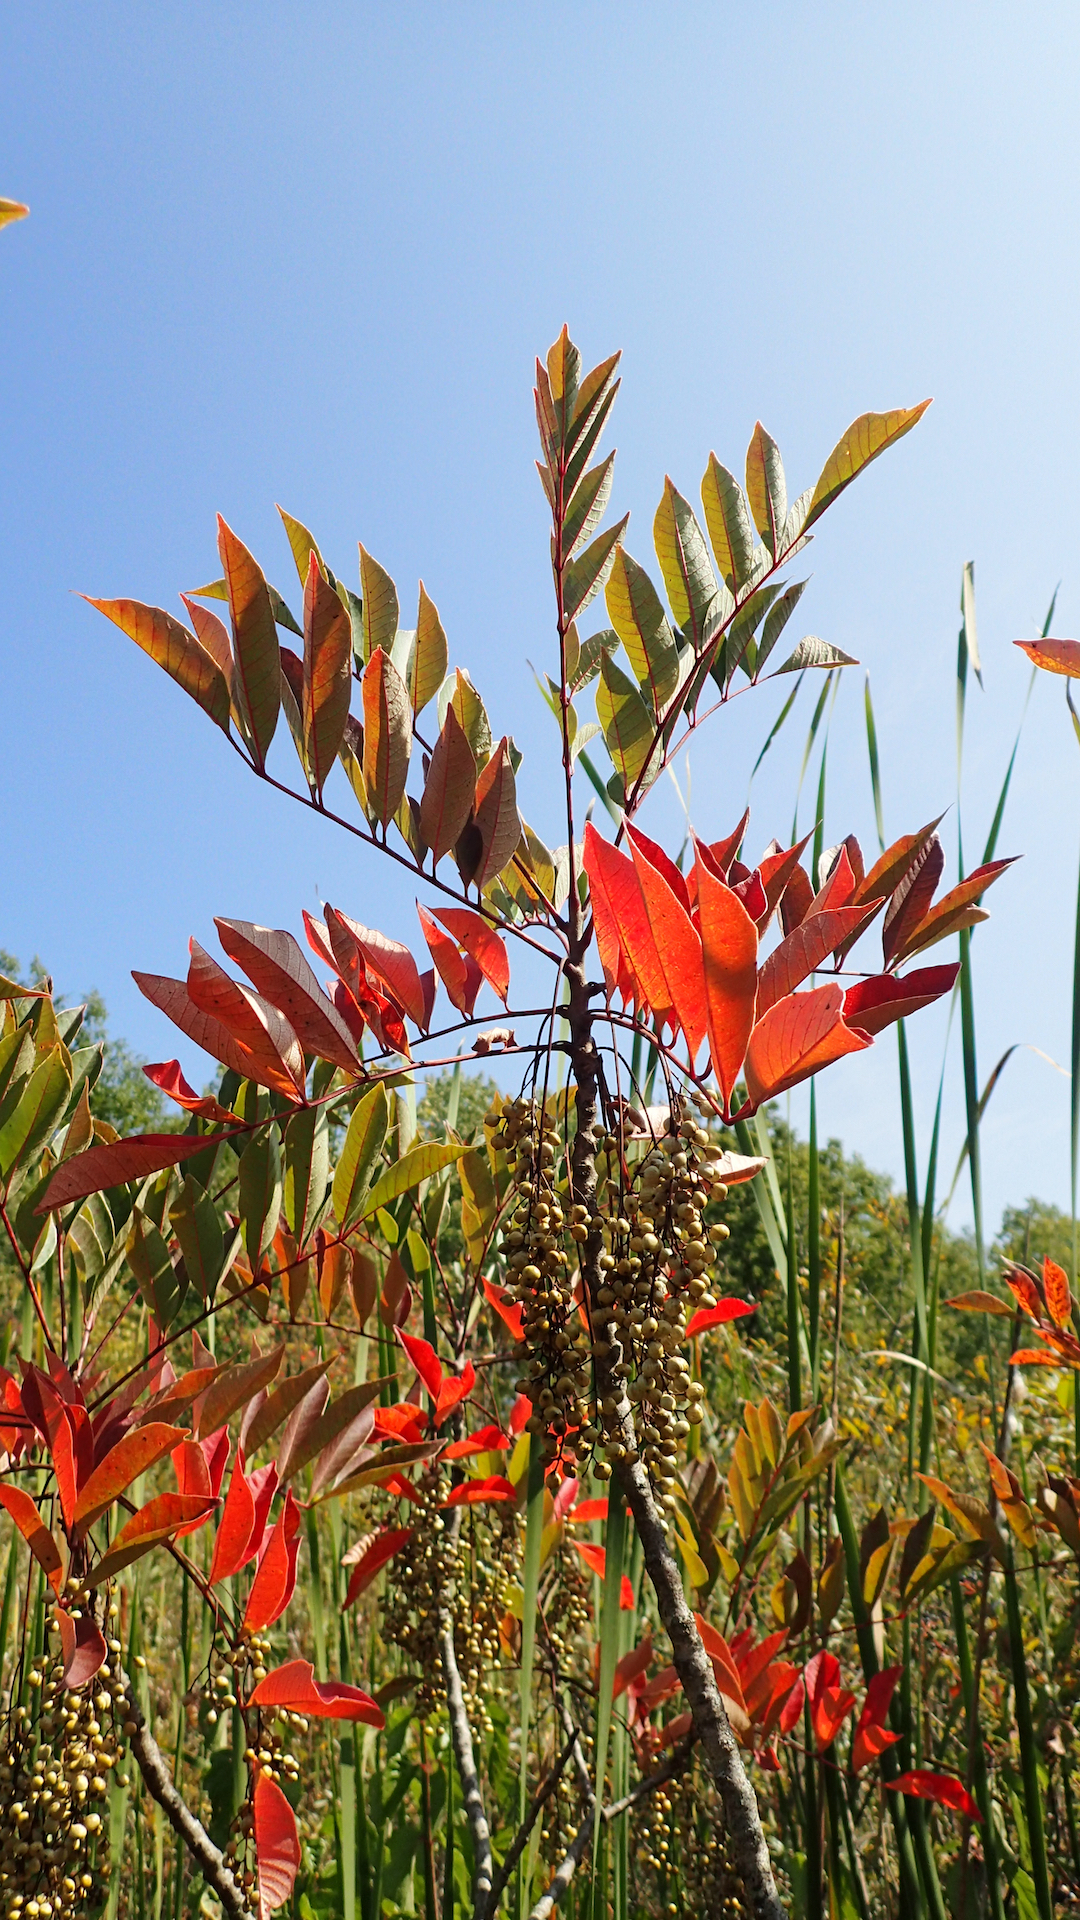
[{"x": 306, "y": 253}]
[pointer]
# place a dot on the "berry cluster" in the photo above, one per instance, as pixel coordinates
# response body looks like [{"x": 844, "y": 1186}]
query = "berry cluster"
[
  {"x": 426, "y": 1573},
  {"x": 55, "y": 1767}
]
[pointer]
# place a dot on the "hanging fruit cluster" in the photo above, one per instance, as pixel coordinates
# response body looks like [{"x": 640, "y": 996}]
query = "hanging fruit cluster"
[
  {"x": 655, "y": 1269},
  {"x": 427, "y": 1571},
  {"x": 55, "y": 1769}
]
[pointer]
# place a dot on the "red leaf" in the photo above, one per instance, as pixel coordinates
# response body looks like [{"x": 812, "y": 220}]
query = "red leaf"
[
  {"x": 512, "y": 1313},
  {"x": 276, "y": 967},
  {"x": 617, "y": 975},
  {"x": 943, "y": 1787},
  {"x": 728, "y": 1678},
  {"x": 830, "y": 1704},
  {"x": 83, "y": 1645},
  {"x": 596, "y": 1558},
  {"x": 729, "y": 948},
  {"x": 295, "y": 1687},
  {"x": 382, "y": 1548},
  {"x": 1024, "y": 1291},
  {"x": 678, "y": 946},
  {"x": 233, "y": 1541},
  {"x": 449, "y": 788},
  {"x": 1055, "y": 656},
  {"x": 266, "y": 1036},
  {"x": 24, "y": 1512},
  {"x": 801, "y": 1034},
  {"x": 277, "y": 1845},
  {"x": 721, "y": 853},
  {"x": 112, "y": 1166},
  {"x": 158, "y": 1520},
  {"x": 448, "y": 962},
  {"x": 166, "y": 1074},
  {"x": 132, "y": 1455},
  {"x": 391, "y": 962},
  {"x": 423, "y": 1358},
  {"x": 586, "y": 1511},
  {"x": 402, "y": 1422},
  {"x": 1056, "y": 1289},
  {"x": 632, "y": 1665},
  {"x": 519, "y": 1413},
  {"x": 838, "y": 888},
  {"x": 480, "y": 940},
  {"x": 272, "y": 1587},
  {"x": 802, "y": 952},
  {"x": 723, "y": 1311},
  {"x": 565, "y": 1498},
  {"x": 911, "y": 897},
  {"x": 664, "y": 865},
  {"x": 774, "y": 871},
  {"x": 453, "y": 1392},
  {"x": 484, "y": 1440},
  {"x": 626, "y": 920},
  {"x": 875, "y": 1003},
  {"x": 473, "y": 1493},
  {"x": 172, "y": 998},
  {"x": 327, "y": 682},
  {"x": 871, "y": 1735},
  {"x": 791, "y": 1711},
  {"x": 496, "y": 815}
]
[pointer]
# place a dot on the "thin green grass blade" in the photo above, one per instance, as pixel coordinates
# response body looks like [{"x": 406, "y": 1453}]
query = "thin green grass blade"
[
  {"x": 813, "y": 1238},
  {"x": 534, "y": 1529},
  {"x": 875, "y": 768},
  {"x": 598, "y": 786},
  {"x": 615, "y": 1551},
  {"x": 808, "y": 750},
  {"x": 1029, "y": 1748},
  {"x": 775, "y": 728}
]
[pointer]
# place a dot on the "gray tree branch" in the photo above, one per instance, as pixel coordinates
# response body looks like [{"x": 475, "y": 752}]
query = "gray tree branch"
[
  {"x": 461, "y": 1736},
  {"x": 211, "y": 1862}
]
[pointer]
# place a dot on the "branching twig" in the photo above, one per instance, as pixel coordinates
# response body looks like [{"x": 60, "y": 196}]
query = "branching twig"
[
  {"x": 571, "y": 1859},
  {"x": 211, "y": 1862},
  {"x": 540, "y": 1797}
]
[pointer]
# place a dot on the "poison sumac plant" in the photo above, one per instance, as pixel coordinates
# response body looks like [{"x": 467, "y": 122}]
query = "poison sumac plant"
[{"x": 589, "y": 1247}]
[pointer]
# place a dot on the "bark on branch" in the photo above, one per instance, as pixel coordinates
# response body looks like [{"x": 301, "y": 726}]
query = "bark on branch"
[
  {"x": 461, "y": 1735},
  {"x": 211, "y": 1862}
]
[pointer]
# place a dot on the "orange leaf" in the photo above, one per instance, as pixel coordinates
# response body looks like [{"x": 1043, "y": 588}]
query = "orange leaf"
[
  {"x": 617, "y": 975},
  {"x": 729, "y": 945},
  {"x": 156, "y": 1521},
  {"x": 1056, "y": 1289},
  {"x": 473, "y": 1493},
  {"x": 449, "y": 964},
  {"x": 472, "y": 932},
  {"x": 273, "y": 1585},
  {"x": 24, "y": 1512},
  {"x": 294, "y": 1686},
  {"x": 1055, "y": 656},
  {"x": 277, "y": 969},
  {"x": 484, "y": 1440},
  {"x": 496, "y": 814},
  {"x": 168, "y": 642},
  {"x": 513, "y": 1314},
  {"x": 256, "y": 681},
  {"x": 802, "y": 951},
  {"x": 449, "y": 788},
  {"x": 277, "y": 1845},
  {"x": 943, "y": 1787},
  {"x": 678, "y": 947},
  {"x": 727, "y": 1674},
  {"x": 233, "y": 1543},
  {"x": 327, "y": 673},
  {"x": 717, "y": 1316},
  {"x": 166, "y": 1074},
  {"x": 265, "y": 1035},
  {"x": 978, "y": 1302},
  {"x": 799, "y": 1035},
  {"x": 596, "y": 1559},
  {"x": 132, "y": 1455},
  {"x": 619, "y": 882},
  {"x": 387, "y": 735}
]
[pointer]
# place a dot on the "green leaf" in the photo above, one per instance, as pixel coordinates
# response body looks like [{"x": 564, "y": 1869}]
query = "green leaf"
[
  {"x": 587, "y": 506},
  {"x": 777, "y": 620},
  {"x": 413, "y": 1167},
  {"x": 766, "y": 489},
  {"x": 149, "y": 1259},
  {"x": 260, "y": 1192},
  {"x": 460, "y": 694},
  {"x": 738, "y": 650},
  {"x": 176, "y": 649},
  {"x": 306, "y": 1148},
  {"x": 638, "y": 618},
  {"x": 380, "y": 606},
  {"x": 363, "y": 1145},
  {"x": 692, "y": 586},
  {"x": 257, "y": 666},
  {"x": 584, "y": 577},
  {"x": 427, "y": 666},
  {"x": 728, "y": 521},
  {"x": 629, "y": 728},
  {"x": 194, "y": 1221},
  {"x": 302, "y": 546},
  {"x": 38, "y": 1110},
  {"x": 283, "y": 615},
  {"x": 866, "y": 437},
  {"x": 583, "y": 657},
  {"x": 812, "y": 652},
  {"x": 387, "y": 735}
]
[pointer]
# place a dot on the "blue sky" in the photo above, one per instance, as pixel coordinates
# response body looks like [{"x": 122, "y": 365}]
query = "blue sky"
[{"x": 307, "y": 252}]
